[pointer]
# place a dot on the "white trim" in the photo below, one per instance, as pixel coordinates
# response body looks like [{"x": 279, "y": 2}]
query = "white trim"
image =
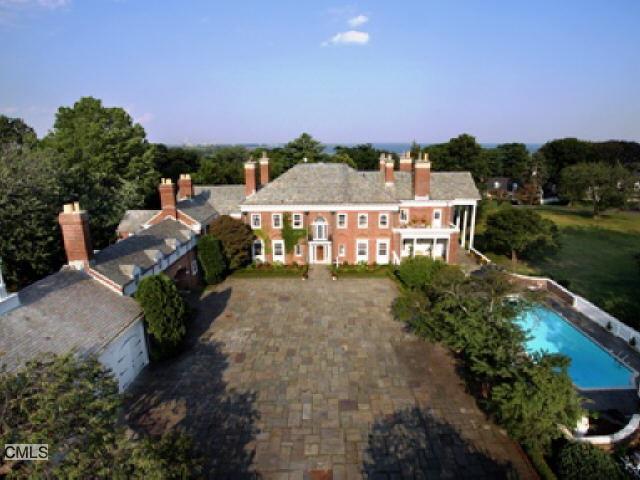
[
  {"x": 256, "y": 215},
  {"x": 273, "y": 221},
  {"x": 277, "y": 258},
  {"x": 358, "y": 220},
  {"x": 380, "y": 215},
  {"x": 386, "y": 242},
  {"x": 330, "y": 207},
  {"x": 294, "y": 224},
  {"x": 326, "y": 245},
  {"x": 360, "y": 258},
  {"x": 346, "y": 220},
  {"x": 424, "y": 202},
  {"x": 425, "y": 232}
]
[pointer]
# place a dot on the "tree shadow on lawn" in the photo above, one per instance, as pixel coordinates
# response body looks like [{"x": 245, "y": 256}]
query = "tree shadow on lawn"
[
  {"x": 188, "y": 394},
  {"x": 413, "y": 443}
]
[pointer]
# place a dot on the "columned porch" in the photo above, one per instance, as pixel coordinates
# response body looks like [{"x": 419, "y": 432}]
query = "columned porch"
[
  {"x": 320, "y": 251},
  {"x": 464, "y": 221},
  {"x": 425, "y": 242}
]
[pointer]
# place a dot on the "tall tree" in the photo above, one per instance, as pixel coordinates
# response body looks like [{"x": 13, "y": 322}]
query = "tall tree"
[
  {"x": 224, "y": 167},
  {"x": 600, "y": 184},
  {"x": 364, "y": 155},
  {"x": 14, "y": 133},
  {"x": 518, "y": 231},
  {"x": 305, "y": 146},
  {"x": 563, "y": 152},
  {"x": 515, "y": 161},
  {"x": 109, "y": 165},
  {"x": 459, "y": 154},
  {"x": 31, "y": 195}
]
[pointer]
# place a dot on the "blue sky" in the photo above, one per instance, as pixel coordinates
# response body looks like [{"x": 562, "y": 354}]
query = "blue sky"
[{"x": 264, "y": 71}]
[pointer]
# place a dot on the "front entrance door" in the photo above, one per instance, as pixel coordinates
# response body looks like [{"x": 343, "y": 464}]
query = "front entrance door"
[
  {"x": 382, "y": 252},
  {"x": 319, "y": 253}
]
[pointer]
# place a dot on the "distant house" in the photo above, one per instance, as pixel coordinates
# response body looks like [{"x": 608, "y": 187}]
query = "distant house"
[{"x": 500, "y": 188}]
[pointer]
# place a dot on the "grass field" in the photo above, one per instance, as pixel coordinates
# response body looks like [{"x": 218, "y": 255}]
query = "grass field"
[{"x": 596, "y": 258}]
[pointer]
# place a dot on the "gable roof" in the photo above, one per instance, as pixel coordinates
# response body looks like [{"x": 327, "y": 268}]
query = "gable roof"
[
  {"x": 116, "y": 261},
  {"x": 65, "y": 311},
  {"x": 320, "y": 184},
  {"x": 133, "y": 220}
]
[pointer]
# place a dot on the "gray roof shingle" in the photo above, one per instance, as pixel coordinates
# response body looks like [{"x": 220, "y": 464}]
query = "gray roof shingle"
[
  {"x": 444, "y": 185},
  {"x": 133, "y": 220},
  {"x": 210, "y": 201},
  {"x": 65, "y": 311},
  {"x": 320, "y": 184},
  {"x": 116, "y": 261}
]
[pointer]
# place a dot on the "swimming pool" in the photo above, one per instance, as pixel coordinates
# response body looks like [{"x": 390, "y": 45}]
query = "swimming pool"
[{"x": 591, "y": 365}]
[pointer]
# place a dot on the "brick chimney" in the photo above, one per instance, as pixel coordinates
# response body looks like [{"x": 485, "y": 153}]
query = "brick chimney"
[
  {"x": 76, "y": 235},
  {"x": 388, "y": 171},
  {"x": 264, "y": 169},
  {"x": 185, "y": 186},
  {"x": 167, "y": 197},
  {"x": 383, "y": 162},
  {"x": 249, "y": 178},
  {"x": 422, "y": 177},
  {"x": 406, "y": 163}
]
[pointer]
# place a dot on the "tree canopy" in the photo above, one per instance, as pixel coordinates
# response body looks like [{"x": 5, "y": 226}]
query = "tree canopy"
[
  {"x": 73, "y": 405},
  {"x": 212, "y": 260},
  {"x": 15, "y": 134},
  {"x": 519, "y": 231},
  {"x": 236, "y": 238}
]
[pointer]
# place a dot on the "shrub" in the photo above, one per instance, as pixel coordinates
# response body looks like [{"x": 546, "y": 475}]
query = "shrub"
[
  {"x": 583, "y": 461},
  {"x": 416, "y": 272},
  {"x": 236, "y": 238},
  {"x": 165, "y": 313},
  {"x": 212, "y": 259}
]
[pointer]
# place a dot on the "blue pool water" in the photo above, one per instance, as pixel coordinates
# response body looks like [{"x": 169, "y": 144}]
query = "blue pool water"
[{"x": 591, "y": 366}]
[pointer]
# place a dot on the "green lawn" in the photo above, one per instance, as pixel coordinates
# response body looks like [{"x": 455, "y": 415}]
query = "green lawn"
[{"x": 596, "y": 258}]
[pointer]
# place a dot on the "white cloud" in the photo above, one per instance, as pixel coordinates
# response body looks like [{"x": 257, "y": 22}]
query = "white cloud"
[
  {"x": 351, "y": 37},
  {"x": 357, "y": 21},
  {"x": 9, "y": 110}
]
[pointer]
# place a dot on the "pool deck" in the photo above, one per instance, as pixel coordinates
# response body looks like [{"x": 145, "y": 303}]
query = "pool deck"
[{"x": 624, "y": 400}]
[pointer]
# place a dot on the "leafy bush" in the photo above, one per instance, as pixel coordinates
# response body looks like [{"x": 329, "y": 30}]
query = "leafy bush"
[
  {"x": 211, "y": 259},
  {"x": 417, "y": 272},
  {"x": 165, "y": 313},
  {"x": 73, "y": 405},
  {"x": 583, "y": 461},
  {"x": 236, "y": 238}
]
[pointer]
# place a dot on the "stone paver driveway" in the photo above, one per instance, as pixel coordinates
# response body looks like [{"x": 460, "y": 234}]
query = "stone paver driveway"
[{"x": 290, "y": 379}]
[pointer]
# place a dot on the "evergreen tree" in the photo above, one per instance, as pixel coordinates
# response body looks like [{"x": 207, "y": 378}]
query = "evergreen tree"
[{"x": 211, "y": 259}]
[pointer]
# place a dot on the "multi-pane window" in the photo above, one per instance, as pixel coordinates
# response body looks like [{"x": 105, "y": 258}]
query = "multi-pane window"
[
  {"x": 276, "y": 220},
  {"x": 362, "y": 250},
  {"x": 296, "y": 220},
  {"x": 404, "y": 215},
  {"x": 277, "y": 249},
  {"x": 383, "y": 220},
  {"x": 341, "y": 250},
  {"x": 255, "y": 220},
  {"x": 382, "y": 249},
  {"x": 363, "y": 220},
  {"x": 342, "y": 220}
]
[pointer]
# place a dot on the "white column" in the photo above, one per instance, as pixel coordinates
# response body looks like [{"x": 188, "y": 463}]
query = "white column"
[
  {"x": 433, "y": 248},
  {"x": 463, "y": 238},
  {"x": 473, "y": 226},
  {"x": 457, "y": 215}
]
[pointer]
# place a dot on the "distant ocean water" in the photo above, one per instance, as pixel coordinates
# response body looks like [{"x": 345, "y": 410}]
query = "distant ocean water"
[{"x": 389, "y": 147}]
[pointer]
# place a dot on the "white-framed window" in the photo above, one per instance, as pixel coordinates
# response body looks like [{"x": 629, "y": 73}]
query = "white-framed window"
[
  {"x": 296, "y": 220},
  {"x": 276, "y": 220},
  {"x": 437, "y": 218},
  {"x": 383, "y": 220},
  {"x": 342, "y": 220},
  {"x": 297, "y": 250},
  {"x": 278, "y": 251},
  {"x": 342, "y": 251},
  {"x": 258, "y": 250},
  {"x": 363, "y": 220},
  {"x": 382, "y": 251},
  {"x": 404, "y": 215},
  {"x": 320, "y": 229},
  {"x": 256, "y": 220},
  {"x": 362, "y": 251}
]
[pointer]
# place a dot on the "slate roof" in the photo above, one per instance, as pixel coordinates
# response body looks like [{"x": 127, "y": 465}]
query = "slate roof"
[
  {"x": 444, "y": 185},
  {"x": 116, "y": 261},
  {"x": 133, "y": 220},
  {"x": 64, "y": 311},
  {"x": 320, "y": 184},
  {"x": 210, "y": 201}
]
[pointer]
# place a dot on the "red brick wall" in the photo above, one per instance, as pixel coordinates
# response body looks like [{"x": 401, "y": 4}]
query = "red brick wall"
[
  {"x": 418, "y": 214},
  {"x": 182, "y": 273}
]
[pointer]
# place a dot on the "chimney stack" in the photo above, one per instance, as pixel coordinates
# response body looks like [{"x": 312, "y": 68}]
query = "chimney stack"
[
  {"x": 185, "y": 186},
  {"x": 383, "y": 162},
  {"x": 406, "y": 163},
  {"x": 388, "y": 171},
  {"x": 264, "y": 169},
  {"x": 168, "y": 197},
  {"x": 422, "y": 177},
  {"x": 249, "y": 178},
  {"x": 76, "y": 235}
]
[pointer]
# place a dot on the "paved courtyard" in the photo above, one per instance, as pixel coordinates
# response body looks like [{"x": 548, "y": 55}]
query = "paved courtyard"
[{"x": 292, "y": 379}]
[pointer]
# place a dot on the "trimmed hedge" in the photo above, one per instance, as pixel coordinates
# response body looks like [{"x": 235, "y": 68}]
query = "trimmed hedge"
[
  {"x": 268, "y": 270},
  {"x": 212, "y": 260}
]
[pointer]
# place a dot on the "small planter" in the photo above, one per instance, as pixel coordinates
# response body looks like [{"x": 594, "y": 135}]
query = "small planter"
[{"x": 334, "y": 277}]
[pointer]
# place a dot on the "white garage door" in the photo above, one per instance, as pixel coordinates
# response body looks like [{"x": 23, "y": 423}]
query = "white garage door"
[{"x": 127, "y": 355}]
